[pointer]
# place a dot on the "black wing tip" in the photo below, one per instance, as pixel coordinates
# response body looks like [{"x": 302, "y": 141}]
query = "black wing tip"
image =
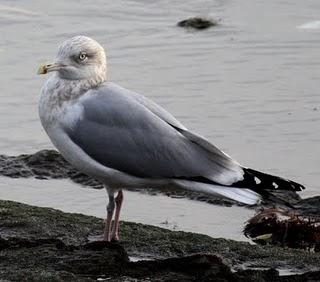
[
  {"x": 298, "y": 187},
  {"x": 268, "y": 181}
]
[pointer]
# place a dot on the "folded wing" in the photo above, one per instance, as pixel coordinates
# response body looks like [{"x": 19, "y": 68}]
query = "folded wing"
[{"x": 125, "y": 131}]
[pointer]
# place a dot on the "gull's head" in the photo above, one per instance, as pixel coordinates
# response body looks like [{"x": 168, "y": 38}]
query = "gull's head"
[{"x": 79, "y": 58}]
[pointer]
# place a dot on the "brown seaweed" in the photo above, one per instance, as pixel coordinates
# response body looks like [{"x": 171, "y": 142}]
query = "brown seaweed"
[{"x": 284, "y": 227}]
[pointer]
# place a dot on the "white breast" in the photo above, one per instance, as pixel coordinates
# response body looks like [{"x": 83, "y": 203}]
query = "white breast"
[{"x": 59, "y": 110}]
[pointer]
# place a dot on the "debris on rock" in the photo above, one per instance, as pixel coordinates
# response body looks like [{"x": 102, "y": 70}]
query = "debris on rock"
[{"x": 291, "y": 228}]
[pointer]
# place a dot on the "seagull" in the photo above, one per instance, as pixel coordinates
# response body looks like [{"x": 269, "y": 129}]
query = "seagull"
[{"x": 125, "y": 140}]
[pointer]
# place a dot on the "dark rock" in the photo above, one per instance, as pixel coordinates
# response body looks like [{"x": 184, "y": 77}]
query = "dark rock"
[
  {"x": 197, "y": 23},
  {"x": 199, "y": 267},
  {"x": 49, "y": 164},
  {"x": 309, "y": 206},
  {"x": 45, "y": 164},
  {"x": 41, "y": 244}
]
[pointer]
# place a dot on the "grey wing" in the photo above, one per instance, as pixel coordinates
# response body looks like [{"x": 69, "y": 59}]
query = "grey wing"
[
  {"x": 120, "y": 132},
  {"x": 170, "y": 119},
  {"x": 153, "y": 107}
]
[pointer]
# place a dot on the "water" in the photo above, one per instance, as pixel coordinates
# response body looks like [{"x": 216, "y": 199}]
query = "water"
[{"x": 250, "y": 85}]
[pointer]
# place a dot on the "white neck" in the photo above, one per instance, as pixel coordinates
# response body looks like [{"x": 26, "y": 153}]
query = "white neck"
[
  {"x": 65, "y": 89},
  {"x": 57, "y": 91}
]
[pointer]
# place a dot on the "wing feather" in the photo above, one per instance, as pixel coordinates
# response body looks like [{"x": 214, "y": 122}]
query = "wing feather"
[{"x": 124, "y": 131}]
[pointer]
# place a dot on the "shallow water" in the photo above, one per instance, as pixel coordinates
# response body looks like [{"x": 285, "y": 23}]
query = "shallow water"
[{"x": 249, "y": 85}]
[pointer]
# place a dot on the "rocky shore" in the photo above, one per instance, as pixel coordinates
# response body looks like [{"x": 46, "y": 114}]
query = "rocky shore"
[{"x": 41, "y": 244}]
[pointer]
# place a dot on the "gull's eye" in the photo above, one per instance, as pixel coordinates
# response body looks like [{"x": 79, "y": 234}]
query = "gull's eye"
[{"x": 83, "y": 56}]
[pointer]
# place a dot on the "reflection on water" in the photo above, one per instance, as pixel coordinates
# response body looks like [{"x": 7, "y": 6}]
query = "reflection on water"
[{"x": 249, "y": 85}]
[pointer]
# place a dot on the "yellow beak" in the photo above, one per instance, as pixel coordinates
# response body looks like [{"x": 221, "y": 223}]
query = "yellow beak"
[{"x": 45, "y": 68}]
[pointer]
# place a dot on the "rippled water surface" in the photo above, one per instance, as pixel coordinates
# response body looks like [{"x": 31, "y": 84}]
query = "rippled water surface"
[{"x": 250, "y": 85}]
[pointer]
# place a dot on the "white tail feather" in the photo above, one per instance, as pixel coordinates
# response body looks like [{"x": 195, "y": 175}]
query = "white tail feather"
[{"x": 242, "y": 195}]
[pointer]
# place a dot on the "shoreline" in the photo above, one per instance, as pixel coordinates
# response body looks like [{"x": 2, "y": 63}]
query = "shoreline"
[{"x": 29, "y": 235}]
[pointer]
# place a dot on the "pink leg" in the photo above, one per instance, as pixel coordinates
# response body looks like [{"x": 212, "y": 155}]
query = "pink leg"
[
  {"x": 115, "y": 227},
  {"x": 107, "y": 227}
]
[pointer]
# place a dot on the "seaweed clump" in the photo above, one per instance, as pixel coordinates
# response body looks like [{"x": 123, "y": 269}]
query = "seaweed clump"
[{"x": 289, "y": 228}]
